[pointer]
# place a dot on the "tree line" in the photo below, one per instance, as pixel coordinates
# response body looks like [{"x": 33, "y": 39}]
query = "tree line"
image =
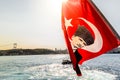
[{"x": 30, "y": 52}]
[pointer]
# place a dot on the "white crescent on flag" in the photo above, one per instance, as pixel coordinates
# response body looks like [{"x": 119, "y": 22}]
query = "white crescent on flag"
[{"x": 98, "y": 42}]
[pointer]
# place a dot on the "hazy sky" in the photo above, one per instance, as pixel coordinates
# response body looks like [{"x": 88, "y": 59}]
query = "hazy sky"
[{"x": 37, "y": 23}]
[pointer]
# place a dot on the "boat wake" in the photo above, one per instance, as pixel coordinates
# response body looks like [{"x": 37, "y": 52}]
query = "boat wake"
[{"x": 65, "y": 72}]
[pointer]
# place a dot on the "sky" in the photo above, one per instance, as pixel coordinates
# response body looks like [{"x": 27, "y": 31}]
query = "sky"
[{"x": 37, "y": 23}]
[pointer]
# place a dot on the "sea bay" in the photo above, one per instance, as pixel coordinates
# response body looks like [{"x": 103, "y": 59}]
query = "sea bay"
[{"x": 49, "y": 67}]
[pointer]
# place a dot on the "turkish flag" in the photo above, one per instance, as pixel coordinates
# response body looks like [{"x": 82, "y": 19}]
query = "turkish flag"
[{"x": 87, "y": 33}]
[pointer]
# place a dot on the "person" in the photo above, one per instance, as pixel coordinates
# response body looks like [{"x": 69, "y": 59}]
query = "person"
[{"x": 66, "y": 62}]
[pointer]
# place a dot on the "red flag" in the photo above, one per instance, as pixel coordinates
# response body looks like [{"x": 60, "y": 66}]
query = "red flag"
[{"x": 87, "y": 32}]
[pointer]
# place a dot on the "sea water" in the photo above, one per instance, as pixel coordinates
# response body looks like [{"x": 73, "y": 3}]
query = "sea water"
[{"x": 49, "y": 67}]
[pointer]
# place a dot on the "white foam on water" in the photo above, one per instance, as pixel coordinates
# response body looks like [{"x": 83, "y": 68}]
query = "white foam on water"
[{"x": 65, "y": 72}]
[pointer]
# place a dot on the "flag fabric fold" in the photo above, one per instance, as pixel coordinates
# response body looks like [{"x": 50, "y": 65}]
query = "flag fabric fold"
[{"x": 86, "y": 31}]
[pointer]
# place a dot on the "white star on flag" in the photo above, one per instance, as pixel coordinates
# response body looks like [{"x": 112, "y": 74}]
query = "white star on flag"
[{"x": 68, "y": 23}]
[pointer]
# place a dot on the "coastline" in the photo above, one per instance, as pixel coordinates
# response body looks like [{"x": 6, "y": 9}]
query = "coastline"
[{"x": 41, "y": 51}]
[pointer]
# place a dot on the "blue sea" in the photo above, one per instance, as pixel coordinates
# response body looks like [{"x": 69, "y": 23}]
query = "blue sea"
[{"x": 49, "y": 67}]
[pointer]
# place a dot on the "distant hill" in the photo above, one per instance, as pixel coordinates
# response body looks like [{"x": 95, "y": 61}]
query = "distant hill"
[
  {"x": 12, "y": 52},
  {"x": 115, "y": 50},
  {"x": 30, "y": 52}
]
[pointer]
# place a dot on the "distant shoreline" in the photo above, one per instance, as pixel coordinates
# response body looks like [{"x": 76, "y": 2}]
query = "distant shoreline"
[{"x": 13, "y": 52}]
